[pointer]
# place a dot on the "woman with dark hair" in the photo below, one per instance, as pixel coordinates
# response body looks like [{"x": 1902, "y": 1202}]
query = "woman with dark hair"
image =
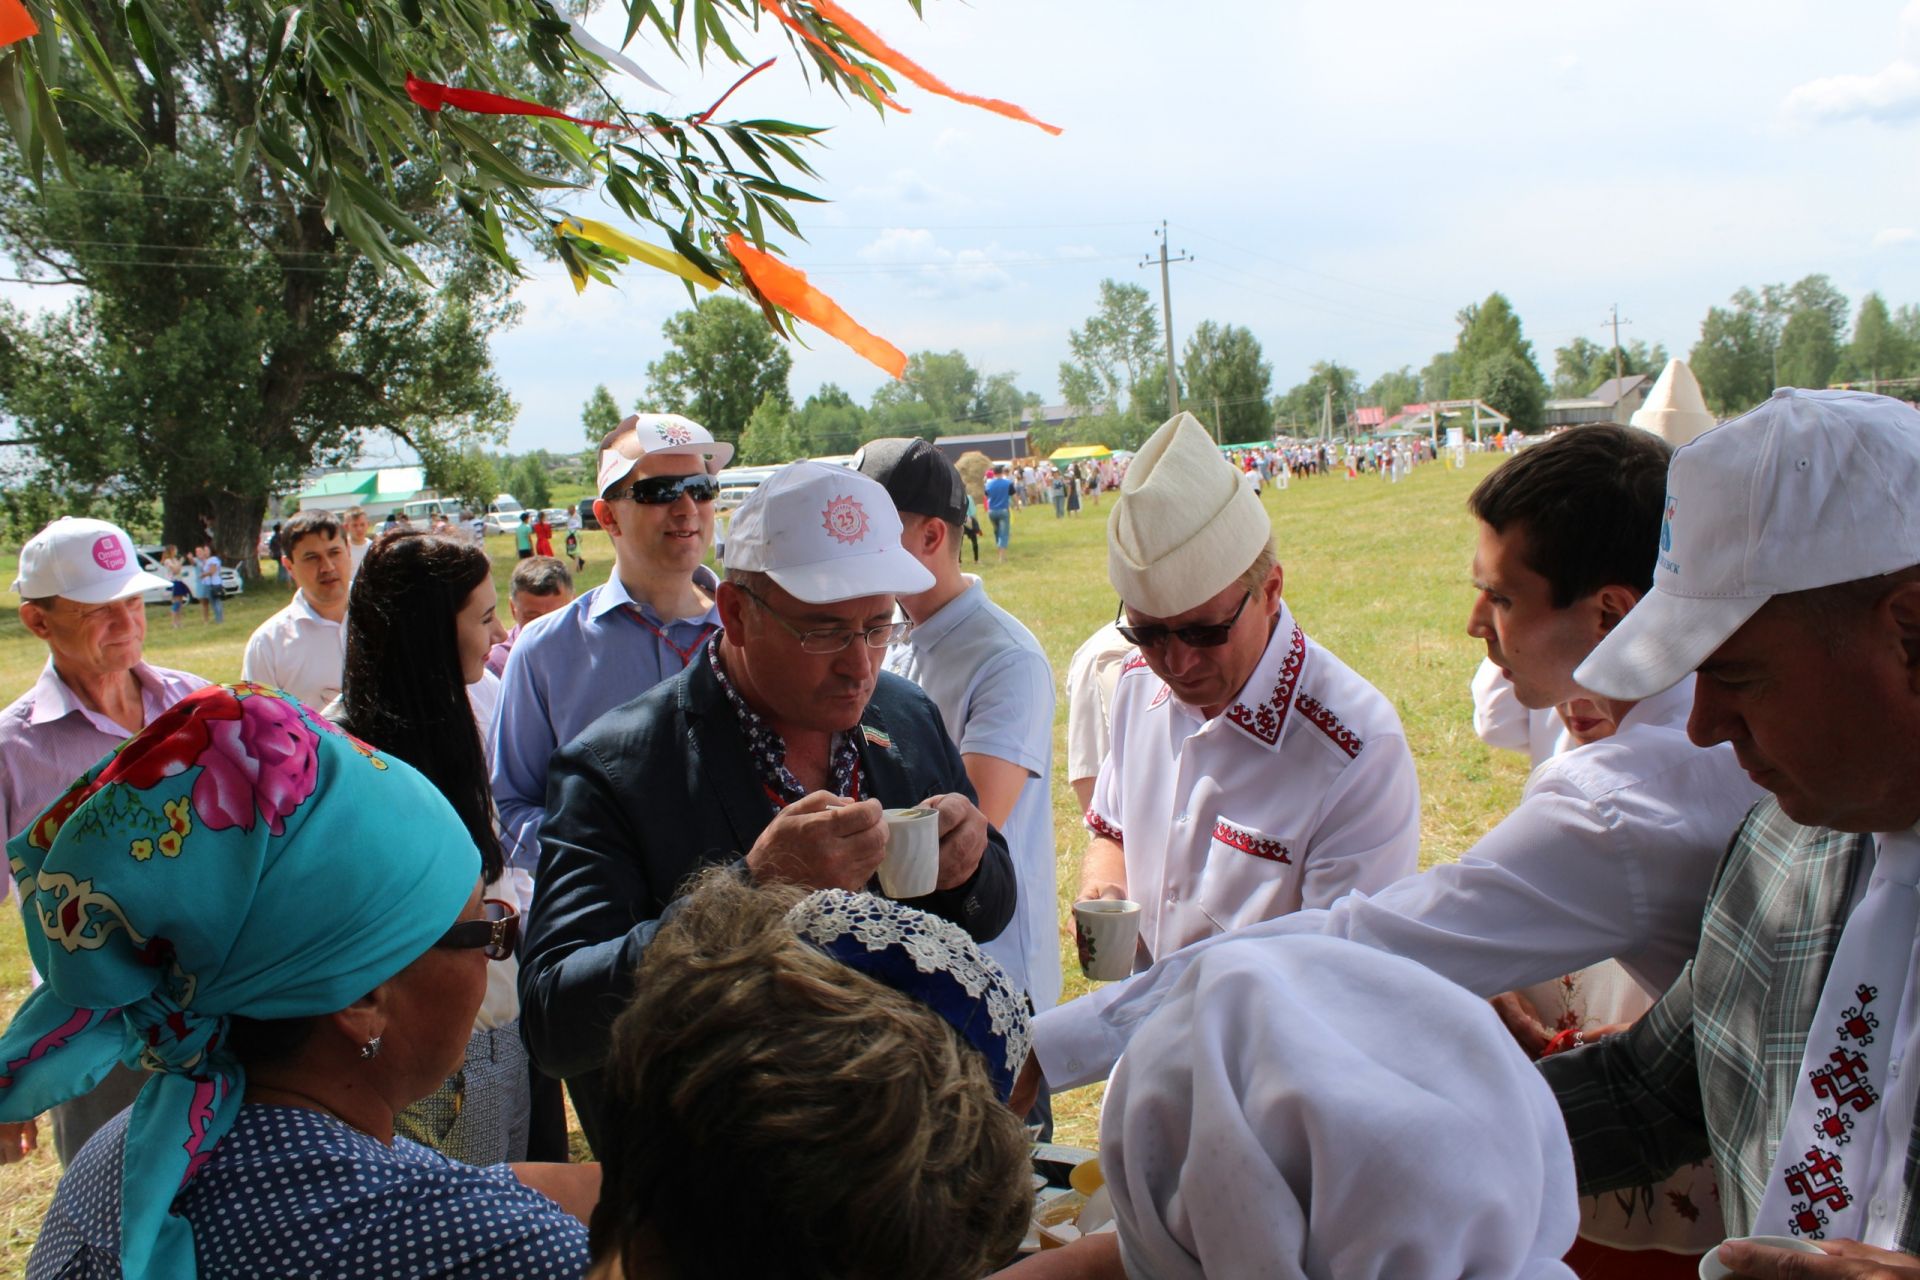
[{"x": 420, "y": 623}]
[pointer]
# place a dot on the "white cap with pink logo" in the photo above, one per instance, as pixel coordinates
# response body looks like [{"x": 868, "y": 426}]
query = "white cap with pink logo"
[
  {"x": 86, "y": 561},
  {"x": 659, "y": 433},
  {"x": 824, "y": 534}
]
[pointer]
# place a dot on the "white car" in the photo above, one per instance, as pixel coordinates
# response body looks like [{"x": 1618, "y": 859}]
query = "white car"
[
  {"x": 231, "y": 583},
  {"x": 503, "y": 514}
]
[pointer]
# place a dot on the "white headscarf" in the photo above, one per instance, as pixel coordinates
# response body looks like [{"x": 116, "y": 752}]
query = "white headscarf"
[{"x": 1309, "y": 1107}]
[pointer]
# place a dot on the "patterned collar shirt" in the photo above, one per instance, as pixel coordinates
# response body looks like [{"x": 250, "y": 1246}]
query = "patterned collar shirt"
[
  {"x": 768, "y": 750},
  {"x": 1300, "y": 792}
]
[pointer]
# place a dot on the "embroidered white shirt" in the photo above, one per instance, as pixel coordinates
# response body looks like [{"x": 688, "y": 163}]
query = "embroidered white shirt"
[
  {"x": 1610, "y": 853},
  {"x": 298, "y": 650},
  {"x": 1299, "y": 792}
]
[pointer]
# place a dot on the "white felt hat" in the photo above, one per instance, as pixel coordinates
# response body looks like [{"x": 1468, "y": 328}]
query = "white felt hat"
[
  {"x": 1811, "y": 489},
  {"x": 1185, "y": 526},
  {"x": 1675, "y": 410},
  {"x": 825, "y": 534},
  {"x": 659, "y": 433},
  {"x": 86, "y": 561}
]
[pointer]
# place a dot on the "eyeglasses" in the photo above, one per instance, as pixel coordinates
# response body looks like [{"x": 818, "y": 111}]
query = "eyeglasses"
[
  {"x": 498, "y": 935},
  {"x": 658, "y": 491},
  {"x": 835, "y": 639},
  {"x": 1200, "y": 635}
]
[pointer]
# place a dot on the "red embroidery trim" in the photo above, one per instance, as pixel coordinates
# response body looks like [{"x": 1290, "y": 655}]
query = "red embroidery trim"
[
  {"x": 1328, "y": 723},
  {"x": 1264, "y": 721},
  {"x": 1247, "y": 840},
  {"x": 1132, "y": 664},
  {"x": 1101, "y": 827}
]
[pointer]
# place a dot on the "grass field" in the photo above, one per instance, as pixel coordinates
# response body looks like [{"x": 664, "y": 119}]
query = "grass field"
[{"x": 1376, "y": 572}]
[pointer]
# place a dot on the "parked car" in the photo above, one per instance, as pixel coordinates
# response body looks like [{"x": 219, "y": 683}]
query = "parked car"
[
  {"x": 586, "y": 514},
  {"x": 231, "y": 583}
]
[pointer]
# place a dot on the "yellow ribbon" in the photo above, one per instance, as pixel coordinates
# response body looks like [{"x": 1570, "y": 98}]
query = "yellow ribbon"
[{"x": 639, "y": 250}]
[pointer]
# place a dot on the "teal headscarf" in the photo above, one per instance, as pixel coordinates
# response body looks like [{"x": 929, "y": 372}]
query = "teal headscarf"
[{"x": 239, "y": 855}]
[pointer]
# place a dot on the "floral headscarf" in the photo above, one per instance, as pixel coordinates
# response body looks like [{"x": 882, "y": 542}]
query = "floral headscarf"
[{"x": 239, "y": 855}]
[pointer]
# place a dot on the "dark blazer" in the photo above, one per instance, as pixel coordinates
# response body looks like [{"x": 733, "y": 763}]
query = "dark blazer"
[{"x": 660, "y": 788}]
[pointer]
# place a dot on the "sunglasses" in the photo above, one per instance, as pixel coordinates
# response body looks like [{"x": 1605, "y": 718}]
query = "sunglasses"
[
  {"x": 1203, "y": 635},
  {"x": 658, "y": 491},
  {"x": 498, "y": 935}
]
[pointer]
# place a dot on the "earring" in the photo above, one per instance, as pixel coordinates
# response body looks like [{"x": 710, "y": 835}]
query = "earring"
[{"x": 371, "y": 1049}]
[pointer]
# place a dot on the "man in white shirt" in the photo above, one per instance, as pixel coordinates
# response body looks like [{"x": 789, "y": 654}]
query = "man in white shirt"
[
  {"x": 991, "y": 681},
  {"x": 1612, "y": 849},
  {"x": 1092, "y": 676},
  {"x": 303, "y": 647},
  {"x": 1251, "y": 772},
  {"x": 354, "y": 521}
]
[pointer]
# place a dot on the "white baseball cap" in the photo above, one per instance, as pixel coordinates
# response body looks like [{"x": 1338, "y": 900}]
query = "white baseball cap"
[
  {"x": 87, "y": 561},
  {"x": 1811, "y": 489},
  {"x": 825, "y": 534},
  {"x": 659, "y": 433}
]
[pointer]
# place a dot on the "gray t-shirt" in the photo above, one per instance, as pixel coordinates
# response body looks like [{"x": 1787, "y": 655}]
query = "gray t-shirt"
[{"x": 991, "y": 681}]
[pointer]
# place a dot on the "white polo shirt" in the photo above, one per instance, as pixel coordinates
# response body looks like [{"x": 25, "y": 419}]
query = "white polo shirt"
[
  {"x": 1610, "y": 853},
  {"x": 298, "y": 650},
  {"x": 1299, "y": 792}
]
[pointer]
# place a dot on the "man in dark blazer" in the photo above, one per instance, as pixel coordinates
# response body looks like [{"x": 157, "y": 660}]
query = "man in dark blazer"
[{"x": 775, "y": 752}]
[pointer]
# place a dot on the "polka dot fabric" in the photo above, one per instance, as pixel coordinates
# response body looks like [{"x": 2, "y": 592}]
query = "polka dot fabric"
[{"x": 293, "y": 1193}]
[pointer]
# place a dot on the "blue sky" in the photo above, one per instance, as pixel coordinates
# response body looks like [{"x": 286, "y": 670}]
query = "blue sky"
[{"x": 1347, "y": 176}]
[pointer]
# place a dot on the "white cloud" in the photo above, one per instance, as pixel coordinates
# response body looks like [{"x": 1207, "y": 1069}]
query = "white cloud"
[
  {"x": 1888, "y": 237},
  {"x": 915, "y": 257},
  {"x": 1890, "y": 95}
]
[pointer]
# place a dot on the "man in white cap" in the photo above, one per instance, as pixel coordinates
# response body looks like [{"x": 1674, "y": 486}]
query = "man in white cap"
[
  {"x": 1789, "y": 579},
  {"x": 1251, "y": 772},
  {"x": 80, "y": 586},
  {"x": 994, "y": 688},
  {"x": 644, "y": 624},
  {"x": 775, "y": 751}
]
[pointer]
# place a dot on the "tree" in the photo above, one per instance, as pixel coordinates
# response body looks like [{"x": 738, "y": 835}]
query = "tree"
[
  {"x": 1303, "y": 408},
  {"x": 721, "y": 363},
  {"x": 1733, "y": 359},
  {"x": 939, "y": 391},
  {"x": 1512, "y": 385},
  {"x": 1149, "y": 405},
  {"x": 1807, "y": 353},
  {"x": 1582, "y": 365},
  {"x": 1878, "y": 349},
  {"x": 1113, "y": 352},
  {"x": 224, "y": 341},
  {"x": 600, "y": 414},
  {"x": 1394, "y": 390},
  {"x": 1228, "y": 381},
  {"x": 530, "y": 483},
  {"x": 1437, "y": 377},
  {"x": 322, "y": 100},
  {"x": 1001, "y": 402},
  {"x": 830, "y": 422},
  {"x": 769, "y": 435},
  {"x": 470, "y": 477}
]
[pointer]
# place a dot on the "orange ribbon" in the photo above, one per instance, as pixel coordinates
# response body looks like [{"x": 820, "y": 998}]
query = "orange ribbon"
[
  {"x": 16, "y": 23},
  {"x": 787, "y": 287},
  {"x": 833, "y": 55},
  {"x": 882, "y": 52}
]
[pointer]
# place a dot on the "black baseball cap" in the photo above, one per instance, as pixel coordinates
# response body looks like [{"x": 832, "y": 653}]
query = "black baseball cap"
[{"x": 919, "y": 478}]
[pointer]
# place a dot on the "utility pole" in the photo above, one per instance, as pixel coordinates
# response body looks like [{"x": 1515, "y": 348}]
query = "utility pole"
[
  {"x": 1166, "y": 316},
  {"x": 1619, "y": 364}
]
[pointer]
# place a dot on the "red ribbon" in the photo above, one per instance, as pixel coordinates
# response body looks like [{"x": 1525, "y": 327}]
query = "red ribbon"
[
  {"x": 15, "y": 23},
  {"x": 429, "y": 96}
]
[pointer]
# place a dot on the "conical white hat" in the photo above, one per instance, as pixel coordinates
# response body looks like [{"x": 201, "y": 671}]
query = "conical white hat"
[
  {"x": 1185, "y": 526},
  {"x": 1675, "y": 410}
]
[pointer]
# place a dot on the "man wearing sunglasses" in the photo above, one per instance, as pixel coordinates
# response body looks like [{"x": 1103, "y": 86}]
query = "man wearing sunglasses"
[
  {"x": 1251, "y": 772},
  {"x": 613, "y": 643},
  {"x": 775, "y": 751}
]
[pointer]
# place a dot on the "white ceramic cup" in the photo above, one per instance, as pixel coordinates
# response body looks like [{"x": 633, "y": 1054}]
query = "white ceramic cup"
[
  {"x": 1105, "y": 932},
  {"x": 1711, "y": 1268},
  {"x": 911, "y": 868}
]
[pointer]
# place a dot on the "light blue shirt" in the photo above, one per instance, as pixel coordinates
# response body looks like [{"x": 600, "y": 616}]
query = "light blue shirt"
[
  {"x": 991, "y": 681},
  {"x": 567, "y": 670}
]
